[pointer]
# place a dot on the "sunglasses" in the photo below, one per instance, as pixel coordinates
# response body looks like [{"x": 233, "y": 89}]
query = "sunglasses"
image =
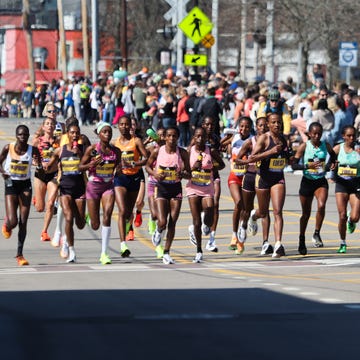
[{"x": 51, "y": 111}]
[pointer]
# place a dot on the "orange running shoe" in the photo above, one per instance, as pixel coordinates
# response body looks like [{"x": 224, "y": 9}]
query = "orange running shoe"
[
  {"x": 138, "y": 219},
  {"x": 21, "y": 260},
  {"x": 233, "y": 243},
  {"x": 45, "y": 236},
  {"x": 240, "y": 247},
  {"x": 130, "y": 236},
  {"x": 5, "y": 231}
]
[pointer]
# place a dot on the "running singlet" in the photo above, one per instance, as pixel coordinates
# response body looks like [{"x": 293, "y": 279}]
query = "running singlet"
[
  {"x": 18, "y": 166},
  {"x": 349, "y": 164},
  {"x": 275, "y": 163},
  {"x": 129, "y": 154},
  {"x": 236, "y": 144},
  {"x": 203, "y": 176},
  {"x": 313, "y": 154},
  {"x": 46, "y": 149},
  {"x": 104, "y": 172},
  {"x": 69, "y": 162},
  {"x": 169, "y": 164}
]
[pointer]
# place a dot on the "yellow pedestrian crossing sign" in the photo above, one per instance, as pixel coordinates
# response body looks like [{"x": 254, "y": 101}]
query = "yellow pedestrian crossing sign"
[
  {"x": 195, "y": 60},
  {"x": 195, "y": 25}
]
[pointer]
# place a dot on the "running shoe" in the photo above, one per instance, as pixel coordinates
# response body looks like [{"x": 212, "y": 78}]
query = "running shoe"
[
  {"x": 21, "y": 260},
  {"x": 156, "y": 238},
  {"x": 232, "y": 245},
  {"x": 205, "y": 230},
  {"x": 316, "y": 239},
  {"x": 124, "y": 250},
  {"x": 64, "y": 252},
  {"x": 159, "y": 251},
  {"x": 45, "y": 236},
  {"x": 130, "y": 236},
  {"x": 211, "y": 246},
  {"x": 192, "y": 237},
  {"x": 241, "y": 234},
  {"x": 87, "y": 219},
  {"x": 152, "y": 226},
  {"x": 71, "y": 258},
  {"x": 167, "y": 259},
  {"x": 350, "y": 226},
  {"x": 240, "y": 247},
  {"x": 302, "y": 247},
  {"x": 5, "y": 231},
  {"x": 198, "y": 258},
  {"x": 266, "y": 249},
  {"x": 138, "y": 219},
  {"x": 55, "y": 241},
  {"x": 279, "y": 250},
  {"x": 252, "y": 225},
  {"x": 105, "y": 259},
  {"x": 342, "y": 249}
]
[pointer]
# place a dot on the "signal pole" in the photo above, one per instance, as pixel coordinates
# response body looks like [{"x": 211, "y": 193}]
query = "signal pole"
[
  {"x": 84, "y": 22},
  {"x": 63, "y": 63},
  {"x": 29, "y": 43}
]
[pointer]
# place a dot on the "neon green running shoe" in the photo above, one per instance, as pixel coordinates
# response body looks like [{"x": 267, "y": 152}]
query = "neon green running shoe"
[
  {"x": 124, "y": 250},
  {"x": 152, "y": 226},
  {"x": 159, "y": 251},
  {"x": 87, "y": 219},
  {"x": 105, "y": 259},
  {"x": 350, "y": 226},
  {"x": 342, "y": 249}
]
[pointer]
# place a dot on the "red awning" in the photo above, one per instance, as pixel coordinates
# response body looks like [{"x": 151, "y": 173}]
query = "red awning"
[{"x": 15, "y": 80}]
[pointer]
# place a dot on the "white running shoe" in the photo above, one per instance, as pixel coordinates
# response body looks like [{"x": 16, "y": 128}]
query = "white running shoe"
[
  {"x": 252, "y": 225},
  {"x": 198, "y": 258},
  {"x": 205, "y": 230},
  {"x": 72, "y": 257},
  {"x": 279, "y": 250},
  {"x": 211, "y": 246},
  {"x": 167, "y": 259},
  {"x": 266, "y": 249},
  {"x": 156, "y": 238},
  {"x": 55, "y": 241},
  {"x": 64, "y": 252},
  {"x": 241, "y": 233},
  {"x": 192, "y": 237}
]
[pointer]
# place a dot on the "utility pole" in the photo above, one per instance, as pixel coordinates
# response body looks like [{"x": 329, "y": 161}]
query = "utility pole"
[
  {"x": 214, "y": 48},
  {"x": 179, "y": 37},
  {"x": 243, "y": 40},
  {"x": 29, "y": 43},
  {"x": 95, "y": 38},
  {"x": 63, "y": 62},
  {"x": 270, "y": 41},
  {"x": 123, "y": 35},
  {"x": 84, "y": 21}
]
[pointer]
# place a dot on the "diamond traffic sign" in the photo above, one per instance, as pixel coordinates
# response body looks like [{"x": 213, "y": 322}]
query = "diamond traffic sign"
[
  {"x": 195, "y": 60},
  {"x": 195, "y": 25}
]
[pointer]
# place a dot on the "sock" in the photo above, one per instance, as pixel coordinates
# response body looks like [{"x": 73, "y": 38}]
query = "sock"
[
  {"x": 302, "y": 238},
  {"x": 343, "y": 242},
  {"x": 234, "y": 234},
  {"x": 317, "y": 232},
  {"x": 265, "y": 241},
  {"x": 59, "y": 219},
  {"x": 138, "y": 212},
  {"x": 105, "y": 237},
  {"x": 64, "y": 239}
]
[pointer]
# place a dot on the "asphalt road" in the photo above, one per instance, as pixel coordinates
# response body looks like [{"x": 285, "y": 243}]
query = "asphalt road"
[{"x": 229, "y": 306}]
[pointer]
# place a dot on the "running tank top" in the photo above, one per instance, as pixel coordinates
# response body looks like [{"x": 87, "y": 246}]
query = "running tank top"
[
  {"x": 313, "y": 154},
  {"x": 129, "y": 154},
  {"x": 18, "y": 166},
  {"x": 236, "y": 144},
  {"x": 103, "y": 172},
  {"x": 204, "y": 176},
  {"x": 275, "y": 163},
  {"x": 169, "y": 164},
  {"x": 349, "y": 164}
]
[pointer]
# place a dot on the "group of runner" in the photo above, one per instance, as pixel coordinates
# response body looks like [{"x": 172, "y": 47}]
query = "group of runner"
[{"x": 85, "y": 176}]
